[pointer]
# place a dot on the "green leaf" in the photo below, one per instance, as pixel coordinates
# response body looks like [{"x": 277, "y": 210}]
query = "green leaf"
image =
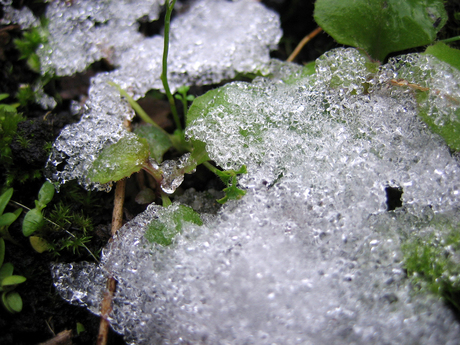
[
  {"x": 39, "y": 244},
  {"x": 7, "y": 219},
  {"x": 5, "y": 303},
  {"x": 381, "y": 26},
  {"x": 14, "y": 302},
  {"x": 33, "y": 221},
  {"x": 80, "y": 328},
  {"x": 5, "y": 198},
  {"x": 2, "y": 253},
  {"x": 169, "y": 223},
  {"x": 445, "y": 53},
  {"x": 120, "y": 160},
  {"x": 6, "y": 271},
  {"x": 158, "y": 140},
  {"x": 12, "y": 281},
  {"x": 46, "y": 193},
  {"x": 447, "y": 127},
  {"x": 3, "y": 96},
  {"x": 203, "y": 104}
]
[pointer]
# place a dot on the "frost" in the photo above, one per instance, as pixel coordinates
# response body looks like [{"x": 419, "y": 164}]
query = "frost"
[
  {"x": 84, "y": 31},
  {"x": 24, "y": 17},
  {"x": 310, "y": 255},
  {"x": 211, "y": 41}
]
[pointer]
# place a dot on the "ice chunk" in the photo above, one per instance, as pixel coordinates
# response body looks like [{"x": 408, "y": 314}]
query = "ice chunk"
[
  {"x": 86, "y": 31},
  {"x": 310, "y": 255},
  {"x": 23, "y": 17},
  {"x": 212, "y": 41}
]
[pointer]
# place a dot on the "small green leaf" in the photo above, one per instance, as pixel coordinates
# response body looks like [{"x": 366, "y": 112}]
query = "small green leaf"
[
  {"x": 14, "y": 301},
  {"x": 39, "y": 244},
  {"x": 5, "y": 198},
  {"x": 120, "y": 160},
  {"x": 232, "y": 192},
  {"x": 33, "y": 221},
  {"x": 381, "y": 26},
  {"x": 80, "y": 328},
  {"x": 158, "y": 140},
  {"x": 3, "y": 96},
  {"x": 7, "y": 219},
  {"x": 6, "y": 271},
  {"x": 170, "y": 223},
  {"x": 5, "y": 303},
  {"x": 445, "y": 53},
  {"x": 2, "y": 253},
  {"x": 12, "y": 281},
  {"x": 46, "y": 193}
]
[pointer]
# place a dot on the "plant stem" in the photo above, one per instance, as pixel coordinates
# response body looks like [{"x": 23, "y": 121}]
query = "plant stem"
[
  {"x": 165, "y": 199},
  {"x": 452, "y": 39},
  {"x": 211, "y": 167},
  {"x": 141, "y": 112},
  {"x": 302, "y": 43},
  {"x": 164, "y": 74}
]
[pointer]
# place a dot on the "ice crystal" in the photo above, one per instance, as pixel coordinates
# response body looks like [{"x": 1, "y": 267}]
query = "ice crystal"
[
  {"x": 210, "y": 42},
  {"x": 310, "y": 255}
]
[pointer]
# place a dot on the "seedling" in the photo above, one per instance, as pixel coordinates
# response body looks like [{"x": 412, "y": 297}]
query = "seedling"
[
  {"x": 11, "y": 300},
  {"x": 34, "y": 219},
  {"x": 146, "y": 149},
  {"x": 6, "y": 219}
]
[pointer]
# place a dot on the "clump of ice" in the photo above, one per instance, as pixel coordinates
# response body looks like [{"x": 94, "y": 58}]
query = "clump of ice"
[
  {"x": 310, "y": 255},
  {"x": 23, "y": 17},
  {"x": 212, "y": 41},
  {"x": 78, "y": 145},
  {"x": 84, "y": 31}
]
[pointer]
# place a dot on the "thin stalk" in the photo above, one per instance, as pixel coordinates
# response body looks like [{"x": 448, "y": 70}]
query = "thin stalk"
[
  {"x": 302, "y": 43},
  {"x": 141, "y": 112},
  {"x": 164, "y": 74},
  {"x": 211, "y": 167},
  {"x": 165, "y": 199},
  {"x": 452, "y": 39}
]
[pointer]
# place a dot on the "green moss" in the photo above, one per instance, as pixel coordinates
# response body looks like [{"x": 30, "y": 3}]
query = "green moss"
[{"x": 433, "y": 261}]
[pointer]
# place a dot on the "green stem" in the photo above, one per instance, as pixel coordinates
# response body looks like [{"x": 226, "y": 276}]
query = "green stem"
[
  {"x": 211, "y": 167},
  {"x": 165, "y": 199},
  {"x": 141, "y": 112},
  {"x": 164, "y": 74},
  {"x": 452, "y": 39}
]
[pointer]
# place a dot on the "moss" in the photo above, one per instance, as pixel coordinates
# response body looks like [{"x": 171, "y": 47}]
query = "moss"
[{"x": 433, "y": 261}]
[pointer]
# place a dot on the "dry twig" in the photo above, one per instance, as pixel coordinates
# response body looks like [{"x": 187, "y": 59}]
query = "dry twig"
[{"x": 302, "y": 43}]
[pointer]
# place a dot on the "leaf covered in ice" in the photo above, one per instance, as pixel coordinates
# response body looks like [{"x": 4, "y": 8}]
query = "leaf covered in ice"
[
  {"x": 120, "y": 160},
  {"x": 381, "y": 26},
  {"x": 170, "y": 222}
]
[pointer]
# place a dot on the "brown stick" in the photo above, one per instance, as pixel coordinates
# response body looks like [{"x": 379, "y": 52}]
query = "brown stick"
[
  {"x": 106, "y": 305},
  {"x": 304, "y": 41},
  {"x": 62, "y": 338}
]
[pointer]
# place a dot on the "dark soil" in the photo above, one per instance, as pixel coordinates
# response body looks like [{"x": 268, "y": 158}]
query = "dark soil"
[{"x": 44, "y": 313}]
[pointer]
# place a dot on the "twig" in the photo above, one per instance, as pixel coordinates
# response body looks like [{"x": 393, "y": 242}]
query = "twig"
[
  {"x": 106, "y": 305},
  {"x": 304, "y": 41},
  {"x": 62, "y": 338}
]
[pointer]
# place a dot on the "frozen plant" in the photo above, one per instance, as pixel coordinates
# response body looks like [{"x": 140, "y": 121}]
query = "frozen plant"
[{"x": 310, "y": 254}]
